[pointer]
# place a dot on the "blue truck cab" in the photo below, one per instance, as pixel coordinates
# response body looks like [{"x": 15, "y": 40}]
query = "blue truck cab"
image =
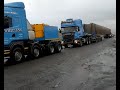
[
  {"x": 15, "y": 27},
  {"x": 75, "y": 26},
  {"x": 73, "y": 32},
  {"x": 20, "y": 37}
]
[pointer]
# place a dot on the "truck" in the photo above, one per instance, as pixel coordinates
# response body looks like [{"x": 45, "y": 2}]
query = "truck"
[
  {"x": 75, "y": 33},
  {"x": 24, "y": 39}
]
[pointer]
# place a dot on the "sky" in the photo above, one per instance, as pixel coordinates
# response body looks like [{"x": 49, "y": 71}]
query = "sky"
[{"x": 52, "y": 12}]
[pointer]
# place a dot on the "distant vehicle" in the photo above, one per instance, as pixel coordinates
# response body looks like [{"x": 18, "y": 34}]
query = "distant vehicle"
[
  {"x": 21, "y": 38},
  {"x": 76, "y": 34}
]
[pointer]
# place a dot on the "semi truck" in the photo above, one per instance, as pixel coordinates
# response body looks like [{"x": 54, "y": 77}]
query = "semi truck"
[
  {"x": 74, "y": 33},
  {"x": 22, "y": 38}
]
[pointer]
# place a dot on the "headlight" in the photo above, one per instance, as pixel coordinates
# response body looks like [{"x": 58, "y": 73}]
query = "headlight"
[{"x": 75, "y": 41}]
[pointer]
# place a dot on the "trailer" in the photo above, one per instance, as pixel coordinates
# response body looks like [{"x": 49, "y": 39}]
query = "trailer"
[
  {"x": 21, "y": 38},
  {"x": 101, "y": 30}
]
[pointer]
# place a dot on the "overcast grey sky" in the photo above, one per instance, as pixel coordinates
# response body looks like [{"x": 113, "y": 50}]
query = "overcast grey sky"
[{"x": 52, "y": 12}]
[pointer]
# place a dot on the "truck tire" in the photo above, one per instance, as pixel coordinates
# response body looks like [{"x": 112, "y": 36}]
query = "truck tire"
[
  {"x": 51, "y": 49},
  {"x": 35, "y": 51},
  {"x": 58, "y": 48},
  {"x": 17, "y": 55},
  {"x": 96, "y": 40},
  {"x": 81, "y": 43},
  {"x": 89, "y": 41}
]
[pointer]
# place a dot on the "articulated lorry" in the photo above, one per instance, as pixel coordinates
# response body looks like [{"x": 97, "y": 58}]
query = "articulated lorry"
[
  {"x": 76, "y": 34},
  {"x": 21, "y": 38}
]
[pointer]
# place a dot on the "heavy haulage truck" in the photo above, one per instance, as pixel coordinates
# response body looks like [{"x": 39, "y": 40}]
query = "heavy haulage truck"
[
  {"x": 21, "y": 38},
  {"x": 76, "y": 34}
]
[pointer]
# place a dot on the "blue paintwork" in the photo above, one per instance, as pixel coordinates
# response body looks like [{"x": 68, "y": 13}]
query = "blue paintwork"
[
  {"x": 50, "y": 32},
  {"x": 72, "y": 23},
  {"x": 15, "y": 4},
  {"x": 17, "y": 13}
]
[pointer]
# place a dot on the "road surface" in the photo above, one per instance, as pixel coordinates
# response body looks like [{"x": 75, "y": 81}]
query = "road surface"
[{"x": 91, "y": 67}]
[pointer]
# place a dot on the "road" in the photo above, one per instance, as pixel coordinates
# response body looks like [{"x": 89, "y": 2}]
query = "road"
[{"x": 91, "y": 67}]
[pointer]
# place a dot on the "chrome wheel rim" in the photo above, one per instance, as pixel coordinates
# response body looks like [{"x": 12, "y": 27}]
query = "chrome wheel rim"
[
  {"x": 87, "y": 42},
  {"x": 18, "y": 56},
  {"x": 51, "y": 49},
  {"x": 36, "y": 52},
  {"x": 59, "y": 47}
]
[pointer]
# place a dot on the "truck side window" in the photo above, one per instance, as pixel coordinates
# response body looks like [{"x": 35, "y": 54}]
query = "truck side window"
[{"x": 7, "y": 22}]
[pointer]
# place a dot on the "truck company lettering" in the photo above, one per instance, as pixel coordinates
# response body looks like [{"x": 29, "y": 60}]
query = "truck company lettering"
[
  {"x": 12, "y": 30},
  {"x": 11, "y": 12}
]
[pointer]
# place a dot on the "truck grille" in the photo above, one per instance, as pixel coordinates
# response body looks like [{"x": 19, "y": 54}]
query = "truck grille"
[{"x": 68, "y": 38}]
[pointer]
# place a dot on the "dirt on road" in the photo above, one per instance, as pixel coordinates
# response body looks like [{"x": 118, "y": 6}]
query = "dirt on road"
[{"x": 91, "y": 67}]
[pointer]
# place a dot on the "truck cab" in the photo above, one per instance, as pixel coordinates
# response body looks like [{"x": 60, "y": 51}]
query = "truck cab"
[
  {"x": 15, "y": 27},
  {"x": 17, "y": 30}
]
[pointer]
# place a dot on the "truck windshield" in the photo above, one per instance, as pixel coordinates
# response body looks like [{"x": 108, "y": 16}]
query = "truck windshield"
[{"x": 69, "y": 29}]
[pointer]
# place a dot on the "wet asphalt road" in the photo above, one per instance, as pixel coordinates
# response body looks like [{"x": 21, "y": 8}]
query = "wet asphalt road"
[{"x": 91, "y": 67}]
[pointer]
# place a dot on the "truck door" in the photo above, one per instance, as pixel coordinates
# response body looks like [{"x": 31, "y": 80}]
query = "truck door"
[{"x": 12, "y": 29}]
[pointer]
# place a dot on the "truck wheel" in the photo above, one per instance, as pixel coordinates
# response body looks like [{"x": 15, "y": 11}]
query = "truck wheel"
[
  {"x": 36, "y": 51},
  {"x": 59, "y": 48},
  {"x": 89, "y": 41},
  {"x": 96, "y": 40},
  {"x": 81, "y": 43},
  {"x": 51, "y": 49},
  {"x": 17, "y": 55}
]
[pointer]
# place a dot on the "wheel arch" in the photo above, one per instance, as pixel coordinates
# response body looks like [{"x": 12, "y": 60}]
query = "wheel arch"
[{"x": 17, "y": 44}]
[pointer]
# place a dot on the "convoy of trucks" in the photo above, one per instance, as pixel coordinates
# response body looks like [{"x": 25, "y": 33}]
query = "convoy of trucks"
[
  {"x": 34, "y": 40},
  {"x": 76, "y": 33},
  {"x": 73, "y": 33}
]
